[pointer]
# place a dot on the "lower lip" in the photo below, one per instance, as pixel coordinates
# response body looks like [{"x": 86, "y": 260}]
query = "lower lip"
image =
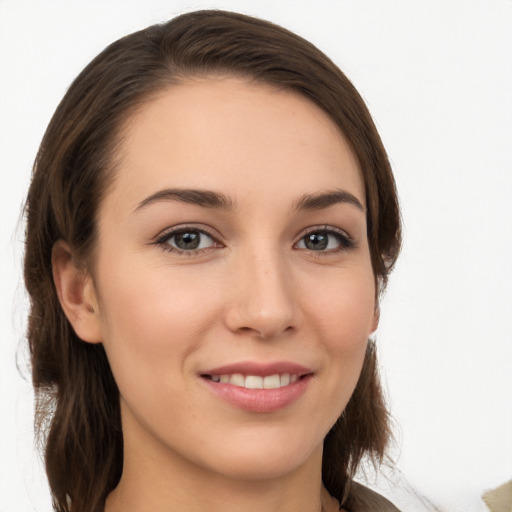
[{"x": 259, "y": 400}]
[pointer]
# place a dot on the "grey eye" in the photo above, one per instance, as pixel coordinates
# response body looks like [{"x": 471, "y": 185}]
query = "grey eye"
[
  {"x": 190, "y": 240},
  {"x": 316, "y": 241},
  {"x": 324, "y": 241}
]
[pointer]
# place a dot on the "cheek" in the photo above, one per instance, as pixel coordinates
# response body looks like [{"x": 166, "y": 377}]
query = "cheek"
[
  {"x": 344, "y": 318},
  {"x": 153, "y": 321},
  {"x": 345, "y": 309},
  {"x": 152, "y": 318}
]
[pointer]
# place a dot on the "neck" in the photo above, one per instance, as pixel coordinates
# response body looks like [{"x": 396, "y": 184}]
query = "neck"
[{"x": 224, "y": 498}]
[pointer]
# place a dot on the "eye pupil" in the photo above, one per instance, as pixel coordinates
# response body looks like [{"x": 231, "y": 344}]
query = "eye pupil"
[
  {"x": 316, "y": 241},
  {"x": 188, "y": 240}
]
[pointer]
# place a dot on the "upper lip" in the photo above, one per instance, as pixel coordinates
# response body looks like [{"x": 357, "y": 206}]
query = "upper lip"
[{"x": 260, "y": 369}]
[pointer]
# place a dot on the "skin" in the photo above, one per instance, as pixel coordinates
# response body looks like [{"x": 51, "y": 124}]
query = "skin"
[{"x": 253, "y": 292}]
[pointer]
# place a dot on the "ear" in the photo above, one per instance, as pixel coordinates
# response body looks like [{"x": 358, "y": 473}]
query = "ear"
[{"x": 76, "y": 293}]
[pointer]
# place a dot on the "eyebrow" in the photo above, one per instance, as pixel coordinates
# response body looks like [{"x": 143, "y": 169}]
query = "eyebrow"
[
  {"x": 326, "y": 199},
  {"x": 217, "y": 200},
  {"x": 204, "y": 198}
]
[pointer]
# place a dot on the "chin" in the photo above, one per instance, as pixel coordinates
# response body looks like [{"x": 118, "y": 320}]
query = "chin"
[
  {"x": 248, "y": 469},
  {"x": 266, "y": 460}
]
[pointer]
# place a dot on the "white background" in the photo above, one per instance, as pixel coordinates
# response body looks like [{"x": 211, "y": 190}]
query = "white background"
[{"x": 437, "y": 76}]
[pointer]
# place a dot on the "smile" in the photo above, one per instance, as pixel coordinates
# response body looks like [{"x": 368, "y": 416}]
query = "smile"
[
  {"x": 256, "y": 381},
  {"x": 256, "y": 387}
]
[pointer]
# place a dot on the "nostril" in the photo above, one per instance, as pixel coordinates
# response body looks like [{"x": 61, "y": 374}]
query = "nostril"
[{"x": 263, "y": 319}]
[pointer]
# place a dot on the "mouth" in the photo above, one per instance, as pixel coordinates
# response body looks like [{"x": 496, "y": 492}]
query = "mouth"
[
  {"x": 275, "y": 381},
  {"x": 259, "y": 388}
]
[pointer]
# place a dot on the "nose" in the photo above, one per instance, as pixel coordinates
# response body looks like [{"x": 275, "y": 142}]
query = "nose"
[{"x": 263, "y": 301}]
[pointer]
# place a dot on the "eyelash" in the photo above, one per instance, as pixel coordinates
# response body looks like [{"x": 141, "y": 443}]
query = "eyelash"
[
  {"x": 162, "y": 240},
  {"x": 344, "y": 240}
]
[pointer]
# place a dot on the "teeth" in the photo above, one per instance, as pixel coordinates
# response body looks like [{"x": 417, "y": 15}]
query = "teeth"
[
  {"x": 237, "y": 379},
  {"x": 255, "y": 381},
  {"x": 271, "y": 382},
  {"x": 285, "y": 379}
]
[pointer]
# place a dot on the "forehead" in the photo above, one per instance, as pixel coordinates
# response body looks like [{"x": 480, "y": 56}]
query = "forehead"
[{"x": 235, "y": 135}]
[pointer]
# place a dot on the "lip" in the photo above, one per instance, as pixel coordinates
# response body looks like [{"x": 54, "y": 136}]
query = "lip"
[
  {"x": 260, "y": 369},
  {"x": 259, "y": 400}
]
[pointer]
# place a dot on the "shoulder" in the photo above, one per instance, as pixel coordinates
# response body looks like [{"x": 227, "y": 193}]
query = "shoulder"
[{"x": 363, "y": 499}]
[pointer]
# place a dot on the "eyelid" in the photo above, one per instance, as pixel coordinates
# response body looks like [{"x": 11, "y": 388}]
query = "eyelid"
[
  {"x": 346, "y": 241},
  {"x": 165, "y": 235}
]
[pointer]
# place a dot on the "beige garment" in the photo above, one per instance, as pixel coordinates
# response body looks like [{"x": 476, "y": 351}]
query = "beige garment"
[
  {"x": 366, "y": 500},
  {"x": 499, "y": 499}
]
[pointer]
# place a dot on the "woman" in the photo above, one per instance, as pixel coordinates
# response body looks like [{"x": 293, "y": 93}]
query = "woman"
[{"x": 211, "y": 219}]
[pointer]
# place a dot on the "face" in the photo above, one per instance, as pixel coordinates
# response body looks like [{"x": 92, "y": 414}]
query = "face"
[{"x": 234, "y": 287}]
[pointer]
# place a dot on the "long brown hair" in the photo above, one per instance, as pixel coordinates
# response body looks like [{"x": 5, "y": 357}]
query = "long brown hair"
[{"x": 77, "y": 407}]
